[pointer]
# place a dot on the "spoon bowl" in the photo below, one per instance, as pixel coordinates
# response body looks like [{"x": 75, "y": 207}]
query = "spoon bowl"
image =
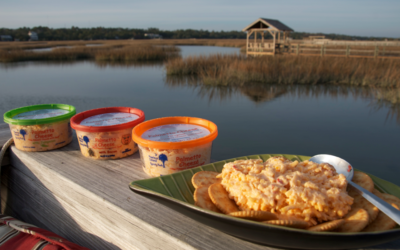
[
  {"x": 341, "y": 166},
  {"x": 345, "y": 168}
]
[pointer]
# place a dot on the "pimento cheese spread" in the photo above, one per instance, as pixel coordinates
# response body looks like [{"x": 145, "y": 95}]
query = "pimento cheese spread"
[{"x": 310, "y": 191}]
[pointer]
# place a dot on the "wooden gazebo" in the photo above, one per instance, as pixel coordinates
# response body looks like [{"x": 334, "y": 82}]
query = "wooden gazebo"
[{"x": 279, "y": 32}]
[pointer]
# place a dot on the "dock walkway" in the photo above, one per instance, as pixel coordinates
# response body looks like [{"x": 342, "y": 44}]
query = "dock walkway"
[{"x": 89, "y": 202}]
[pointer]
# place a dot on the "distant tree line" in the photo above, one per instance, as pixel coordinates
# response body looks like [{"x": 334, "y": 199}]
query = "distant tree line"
[{"x": 99, "y": 33}]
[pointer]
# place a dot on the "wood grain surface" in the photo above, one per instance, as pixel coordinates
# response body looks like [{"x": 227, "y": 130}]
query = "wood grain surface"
[
  {"x": 89, "y": 202},
  {"x": 5, "y": 134}
]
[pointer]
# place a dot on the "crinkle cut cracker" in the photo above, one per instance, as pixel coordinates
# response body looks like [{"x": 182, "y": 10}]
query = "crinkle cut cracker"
[
  {"x": 327, "y": 226},
  {"x": 205, "y": 178},
  {"x": 254, "y": 215},
  {"x": 391, "y": 199},
  {"x": 363, "y": 180},
  {"x": 292, "y": 217},
  {"x": 383, "y": 222},
  {"x": 221, "y": 199},
  {"x": 355, "y": 221},
  {"x": 361, "y": 202},
  {"x": 202, "y": 199},
  {"x": 288, "y": 223}
]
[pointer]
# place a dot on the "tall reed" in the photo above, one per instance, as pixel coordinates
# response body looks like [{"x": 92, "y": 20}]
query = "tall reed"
[{"x": 239, "y": 70}]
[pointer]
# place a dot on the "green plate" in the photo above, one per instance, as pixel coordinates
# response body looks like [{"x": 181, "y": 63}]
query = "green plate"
[{"x": 176, "y": 191}]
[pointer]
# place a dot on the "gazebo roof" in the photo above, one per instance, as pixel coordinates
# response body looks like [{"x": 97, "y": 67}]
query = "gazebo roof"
[{"x": 264, "y": 23}]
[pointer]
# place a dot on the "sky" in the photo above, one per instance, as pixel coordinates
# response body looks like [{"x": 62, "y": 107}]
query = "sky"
[{"x": 350, "y": 17}]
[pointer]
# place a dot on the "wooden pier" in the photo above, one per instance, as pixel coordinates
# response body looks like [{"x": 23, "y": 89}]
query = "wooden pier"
[
  {"x": 349, "y": 49},
  {"x": 89, "y": 202},
  {"x": 282, "y": 44}
]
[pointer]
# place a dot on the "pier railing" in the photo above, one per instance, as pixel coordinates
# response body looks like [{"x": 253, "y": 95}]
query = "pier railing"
[
  {"x": 366, "y": 49},
  {"x": 346, "y": 50}
]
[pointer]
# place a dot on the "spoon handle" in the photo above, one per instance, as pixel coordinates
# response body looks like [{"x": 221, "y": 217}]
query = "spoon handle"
[{"x": 385, "y": 207}]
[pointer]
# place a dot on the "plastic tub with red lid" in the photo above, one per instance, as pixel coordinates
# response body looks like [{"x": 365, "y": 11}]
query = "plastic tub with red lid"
[
  {"x": 171, "y": 144},
  {"x": 106, "y": 133}
]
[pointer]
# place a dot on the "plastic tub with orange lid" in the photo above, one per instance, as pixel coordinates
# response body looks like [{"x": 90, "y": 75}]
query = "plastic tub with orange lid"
[
  {"x": 171, "y": 144},
  {"x": 106, "y": 133}
]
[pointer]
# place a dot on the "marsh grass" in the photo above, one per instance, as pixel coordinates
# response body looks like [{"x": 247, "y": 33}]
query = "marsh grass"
[
  {"x": 287, "y": 70},
  {"x": 137, "y": 53},
  {"x": 50, "y": 44},
  {"x": 109, "y": 52}
]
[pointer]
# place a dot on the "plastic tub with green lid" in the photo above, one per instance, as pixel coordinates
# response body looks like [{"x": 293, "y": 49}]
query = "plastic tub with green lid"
[{"x": 41, "y": 127}]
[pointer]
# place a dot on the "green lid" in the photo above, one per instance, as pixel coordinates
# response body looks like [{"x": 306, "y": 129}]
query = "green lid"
[{"x": 39, "y": 114}]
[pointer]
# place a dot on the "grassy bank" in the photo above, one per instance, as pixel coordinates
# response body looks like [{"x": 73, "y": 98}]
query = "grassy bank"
[
  {"x": 205, "y": 42},
  {"x": 239, "y": 70},
  {"x": 112, "y": 52},
  {"x": 104, "y": 50}
]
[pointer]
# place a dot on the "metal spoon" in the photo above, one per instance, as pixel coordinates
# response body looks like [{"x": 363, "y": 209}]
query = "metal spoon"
[{"x": 343, "y": 167}]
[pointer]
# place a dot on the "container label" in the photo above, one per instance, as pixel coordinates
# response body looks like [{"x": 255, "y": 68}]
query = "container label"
[
  {"x": 175, "y": 133},
  {"x": 41, "y": 114},
  {"x": 109, "y": 119}
]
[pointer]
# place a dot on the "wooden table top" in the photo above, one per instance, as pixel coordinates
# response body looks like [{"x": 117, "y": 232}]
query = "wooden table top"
[{"x": 89, "y": 202}]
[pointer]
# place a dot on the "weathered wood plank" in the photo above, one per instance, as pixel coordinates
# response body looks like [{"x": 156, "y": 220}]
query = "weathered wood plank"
[
  {"x": 90, "y": 203},
  {"x": 34, "y": 202},
  {"x": 5, "y": 133},
  {"x": 6, "y": 160}
]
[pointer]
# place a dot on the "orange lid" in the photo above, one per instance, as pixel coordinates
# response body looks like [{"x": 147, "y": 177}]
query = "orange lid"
[{"x": 142, "y": 128}]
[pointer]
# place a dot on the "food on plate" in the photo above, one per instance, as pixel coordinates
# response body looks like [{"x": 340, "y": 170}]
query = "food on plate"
[
  {"x": 220, "y": 198},
  {"x": 310, "y": 191},
  {"x": 246, "y": 185},
  {"x": 254, "y": 215},
  {"x": 106, "y": 133},
  {"x": 327, "y": 226},
  {"x": 202, "y": 199},
  {"x": 288, "y": 223},
  {"x": 205, "y": 178},
  {"x": 355, "y": 221},
  {"x": 172, "y": 144},
  {"x": 41, "y": 127}
]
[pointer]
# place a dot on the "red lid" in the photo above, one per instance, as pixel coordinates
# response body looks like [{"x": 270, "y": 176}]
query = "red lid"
[{"x": 96, "y": 120}]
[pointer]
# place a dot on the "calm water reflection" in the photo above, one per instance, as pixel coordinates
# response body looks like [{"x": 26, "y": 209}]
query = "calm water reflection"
[
  {"x": 206, "y": 50},
  {"x": 48, "y": 49},
  {"x": 358, "y": 124}
]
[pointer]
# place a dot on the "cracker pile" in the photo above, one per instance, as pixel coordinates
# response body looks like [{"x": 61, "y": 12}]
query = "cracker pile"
[{"x": 236, "y": 193}]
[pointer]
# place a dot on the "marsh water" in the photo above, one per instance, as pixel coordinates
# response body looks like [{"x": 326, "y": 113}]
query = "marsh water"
[{"x": 361, "y": 125}]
